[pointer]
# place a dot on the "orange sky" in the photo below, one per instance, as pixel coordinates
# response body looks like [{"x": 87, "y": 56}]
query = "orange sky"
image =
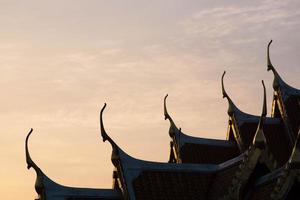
[{"x": 61, "y": 60}]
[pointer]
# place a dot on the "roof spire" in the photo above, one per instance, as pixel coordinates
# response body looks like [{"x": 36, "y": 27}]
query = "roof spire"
[
  {"x": 173, "y": 127},
  {"x": 29, "y": 161},
  {"x": 259, "y": 138},
  {"x": 278, "y": 81},
  {"x": 39, "y": 186},
  {"x": 115, "y": 153},
  {"x": 231, "y": 107},
  {"x": 277, "y": 78},
  {"x": 270, "y": 66}
]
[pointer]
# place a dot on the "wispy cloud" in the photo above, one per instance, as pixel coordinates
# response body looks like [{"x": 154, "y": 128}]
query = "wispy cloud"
[
  {"x": 234, "y": 20},
  {"x": 56, "y": 74}
]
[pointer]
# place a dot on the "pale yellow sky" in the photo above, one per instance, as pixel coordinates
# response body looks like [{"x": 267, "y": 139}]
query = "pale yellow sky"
[{"x": 61, "y": 60}]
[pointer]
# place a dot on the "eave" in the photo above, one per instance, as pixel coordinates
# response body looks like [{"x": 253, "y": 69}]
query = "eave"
[{"x": 47, "y": 189}]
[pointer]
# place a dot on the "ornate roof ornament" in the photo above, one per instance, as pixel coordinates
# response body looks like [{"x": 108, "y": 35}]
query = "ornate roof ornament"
[
  {"x": 173, "y": 127},
  {"x": 115, "y": 148},
  {"x": 278, "y": 82},
  {"x": 39, "y": 186},
  {"x": 259, "y": 138},
  {"x": 182, "y": 143},
  {"x": 251, "y": 157},
  {"x": 29, "y": 161},
  {"x": 48, "y": 189},
  {"x": 290, "y": 172},
  {"x": 277, "y": 79},
  {"x": 232, "y": 107}
]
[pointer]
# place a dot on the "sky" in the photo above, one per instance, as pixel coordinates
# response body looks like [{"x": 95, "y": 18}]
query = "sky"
[{"x": 60, "y": 61}]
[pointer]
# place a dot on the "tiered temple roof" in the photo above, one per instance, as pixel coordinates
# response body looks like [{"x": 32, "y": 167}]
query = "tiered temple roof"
[
  {"x": 188, "y": 149},
  {"x": 260, "y": 159}
]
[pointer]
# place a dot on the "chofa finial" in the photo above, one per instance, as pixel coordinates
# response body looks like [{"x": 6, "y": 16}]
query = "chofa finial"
[
  {"x": 270, "y": 66},
  {"x": 223, "y": 88},
  {"x": 277, "y": 79},
  {"x": 231, "y": 107},
  {"x": 103, "y": 132},
  {"x": 264, "y": 110},
  {"x": 173, "y": 129},
  {"x": 29, "y": 161},
  {"x": 39, "y": 185},
  {"x": 115, "y": 148},
  {"x": 259, "y": 138},
  {"x": 167, "y": 116}
]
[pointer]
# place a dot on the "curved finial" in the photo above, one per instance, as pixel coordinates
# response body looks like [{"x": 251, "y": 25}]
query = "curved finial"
[
  {"x": 115, "y": 153},
  {"x": 231, "y": 107},
  {"x": 259, "y": 138},
  {"x": 167, "y": 116},
  {"x": 270, "y": 66},
  {"x": 264, "y": 108},
  {"x": 39, "y": 185},
  {"x": 29, "y": 161},
  {"x": 103, "y": 132},
  {"x": 277, "y": 79},
  {"x": 223, "y": 88},
  {"x": 173, "y": 127}
]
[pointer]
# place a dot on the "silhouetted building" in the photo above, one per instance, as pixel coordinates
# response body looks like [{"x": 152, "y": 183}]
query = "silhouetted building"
[{"x": 260, "y": 159}]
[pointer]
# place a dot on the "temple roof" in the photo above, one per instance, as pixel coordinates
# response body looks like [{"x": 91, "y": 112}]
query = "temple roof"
[
  {"x": 240, "y": 116},
  {"x": 152, "y": 180},
  {"x": 278, "y": 82},
  {"x": 199, "y": 150},
  {"x": 49, "y": 189},
  {"x": 246, "y": 124},
  {"x": 282, "y": 183},
  {"x": 286, "y": 101},
  {"x": 258, "y": 161}
]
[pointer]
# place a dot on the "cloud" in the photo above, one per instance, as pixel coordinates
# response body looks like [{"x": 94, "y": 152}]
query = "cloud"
[{"x": 232, "y": 20}]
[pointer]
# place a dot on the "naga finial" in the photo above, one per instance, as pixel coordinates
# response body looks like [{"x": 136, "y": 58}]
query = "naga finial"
[
  {"x": 103, "y": 132},
  {"x": 259, "y": 138},
  {"x": 231, "y": 107},
  {"x": 277, "y": 79},
  {"x": 173, "y": 127},
  {"x": 39, "y": 185},
  {"x": 115, "y": 148},
  {"x": 223, "y": 88},
  {"x": 264, "y": 109},
  {"x": 270, "y": 66},
  {"x": 167, "y": 116},
  {"x": 29, "y": 161}
]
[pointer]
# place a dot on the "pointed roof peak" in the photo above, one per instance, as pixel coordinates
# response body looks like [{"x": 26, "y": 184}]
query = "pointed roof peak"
[
  {"x": 232, "y": 107},
  {"x": 264, "y": 109},
  {"x": 167, "y": 116},
  {"x": 29, "y": 161},
  {"x": 259, "y": 138},
  {"x": 105, "y": 136},
  {"x": 223, "y": 88},
  {"x": 277, "y": 78},
  {"x": 40, "y": 176},
  {"x": 270, "y": 66},
  {"x": 278, "y": 81},
  {"x": 173, "y": 128},
  {"x": 103, "y": 132}
]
